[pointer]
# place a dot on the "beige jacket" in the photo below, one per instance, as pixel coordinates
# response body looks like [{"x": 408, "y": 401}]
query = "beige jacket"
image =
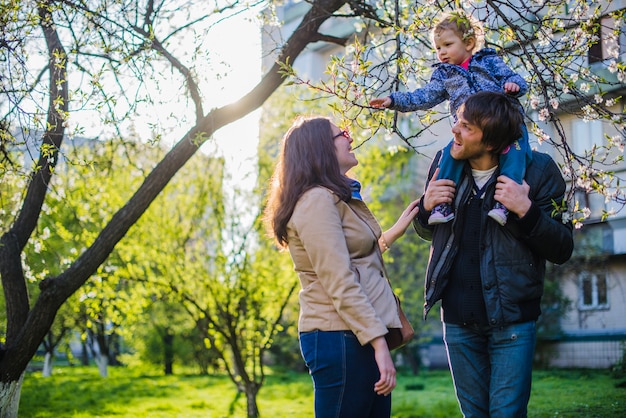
[{"x": 343, "y": 284}]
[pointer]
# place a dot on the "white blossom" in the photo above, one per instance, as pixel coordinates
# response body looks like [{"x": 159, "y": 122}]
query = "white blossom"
[
  {"x": 534, "y": 102},
  {"x": 567, "y": 171},
  {"x": 543, "y": 137},
  {"x": 616, "y": 140},
  {"x": 544, "y": 36},
  {"x": 554, "y": 102}
]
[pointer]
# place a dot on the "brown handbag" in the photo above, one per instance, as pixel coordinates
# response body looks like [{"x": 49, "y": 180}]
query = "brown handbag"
[{"x": 399, "y": 337}]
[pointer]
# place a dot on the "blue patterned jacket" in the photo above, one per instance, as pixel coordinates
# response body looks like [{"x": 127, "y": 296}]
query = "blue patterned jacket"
[{"x": 486, "y": 72}]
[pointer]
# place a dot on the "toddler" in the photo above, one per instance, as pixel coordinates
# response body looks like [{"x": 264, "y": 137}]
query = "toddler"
[{"x": 464, "y": 69}]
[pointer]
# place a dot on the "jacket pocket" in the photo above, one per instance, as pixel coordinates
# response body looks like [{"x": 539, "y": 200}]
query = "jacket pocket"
[{"x": 518, "y": 281}]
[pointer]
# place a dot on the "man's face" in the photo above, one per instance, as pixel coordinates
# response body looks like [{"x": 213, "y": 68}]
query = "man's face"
[{"x": 467, "y": 144}]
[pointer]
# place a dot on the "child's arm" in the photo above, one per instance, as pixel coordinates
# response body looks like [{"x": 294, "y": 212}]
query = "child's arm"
[
  {"x": 381, "y": 102},
  {"x": 422, "y": 98},
  {"x": 511, "y": 82},
  {"x": 511, "y": 88}
]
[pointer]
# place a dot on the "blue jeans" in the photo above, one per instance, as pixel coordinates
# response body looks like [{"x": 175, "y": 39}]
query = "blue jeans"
[
  {"x": 343, "y": 373},
  {"x": 491, "y": 368}
]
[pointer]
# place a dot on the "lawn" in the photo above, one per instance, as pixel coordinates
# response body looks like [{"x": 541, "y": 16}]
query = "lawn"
[{"x": 80, "y": 392}]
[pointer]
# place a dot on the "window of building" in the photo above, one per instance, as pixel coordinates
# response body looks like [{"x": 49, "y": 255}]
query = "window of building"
[
  {"x": 607, "y": 41},
  {"x": 586, "y": 134},
  {"x": 593, "y": 291}
]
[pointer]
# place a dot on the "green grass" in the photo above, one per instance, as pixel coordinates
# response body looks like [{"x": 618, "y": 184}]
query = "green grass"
[{"x": 80, "y": 392}]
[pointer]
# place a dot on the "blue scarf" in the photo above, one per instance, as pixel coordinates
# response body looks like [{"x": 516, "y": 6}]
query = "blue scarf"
[{"x": 355, "y": 188}]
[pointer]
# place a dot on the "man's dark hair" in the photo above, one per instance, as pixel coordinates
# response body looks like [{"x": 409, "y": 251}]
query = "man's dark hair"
[{"x": 499, "y": 117}]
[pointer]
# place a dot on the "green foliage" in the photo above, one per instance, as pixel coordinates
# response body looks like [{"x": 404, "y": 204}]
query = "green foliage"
[
  {"x": 82, "y": 199},
  {"x": 166, "y": 326}
]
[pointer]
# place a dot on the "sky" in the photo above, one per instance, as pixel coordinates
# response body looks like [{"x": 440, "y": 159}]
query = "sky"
[
  {"x": 236, "y": 42},
  {"x": 242, "y": 50}
]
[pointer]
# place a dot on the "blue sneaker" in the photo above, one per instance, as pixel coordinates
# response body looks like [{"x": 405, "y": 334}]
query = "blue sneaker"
[
  {"x": 499, "y": 213},
  {"x": 440, "y": 214}
]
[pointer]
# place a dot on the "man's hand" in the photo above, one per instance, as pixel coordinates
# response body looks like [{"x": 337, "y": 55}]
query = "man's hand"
[
  {"x": 513, "y": 195},
  {"x": 438, "y": 191}
]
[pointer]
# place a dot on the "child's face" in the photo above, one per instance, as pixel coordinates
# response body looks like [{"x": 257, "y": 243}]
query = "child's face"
[{"x": 450, "y": 47}]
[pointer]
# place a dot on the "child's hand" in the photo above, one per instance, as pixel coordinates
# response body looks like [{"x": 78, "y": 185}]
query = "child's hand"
[
  {"x": 511, "y": 88},
  {"x": 381, "y": 102}
]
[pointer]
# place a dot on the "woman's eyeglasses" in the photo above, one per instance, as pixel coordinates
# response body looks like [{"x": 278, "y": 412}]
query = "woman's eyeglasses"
[{"x": 345, "y": 134}]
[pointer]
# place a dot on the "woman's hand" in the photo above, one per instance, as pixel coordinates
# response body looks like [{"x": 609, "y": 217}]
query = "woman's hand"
[
  {"x": 387, "y": 381},
  {"x": 399, "y": 228}
]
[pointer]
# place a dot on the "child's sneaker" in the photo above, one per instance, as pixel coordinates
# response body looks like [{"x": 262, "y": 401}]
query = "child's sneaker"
[
  {"x": 440, "y": 214},
  {"x": 499, "y": 213}
]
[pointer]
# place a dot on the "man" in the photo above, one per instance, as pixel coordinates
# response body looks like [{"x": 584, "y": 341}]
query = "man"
[{"x": 489, "y": 278}]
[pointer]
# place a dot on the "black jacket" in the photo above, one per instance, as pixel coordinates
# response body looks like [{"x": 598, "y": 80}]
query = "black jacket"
[{"x": 513, "y": 258}]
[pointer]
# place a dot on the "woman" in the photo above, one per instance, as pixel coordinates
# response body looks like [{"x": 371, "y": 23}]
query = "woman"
[{"x": 346, "y": 302}]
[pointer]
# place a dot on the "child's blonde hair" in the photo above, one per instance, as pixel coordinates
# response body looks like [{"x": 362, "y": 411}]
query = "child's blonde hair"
[{"x": 464, "y": 25}]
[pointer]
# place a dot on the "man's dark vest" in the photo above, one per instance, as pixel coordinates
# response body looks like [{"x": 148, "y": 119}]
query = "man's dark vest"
[{"x": 462, "y": 300}]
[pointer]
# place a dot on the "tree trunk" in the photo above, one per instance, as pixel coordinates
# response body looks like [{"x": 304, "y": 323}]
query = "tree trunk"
[
  {"x": 10, "y": 397},
  {"x": 102, "y": 360},
  {"x": 84, "y": 354},
  {"x": 47, "y": 365},
  {"x": 168, "y": 352},
  {"x": 114, "y": 349},
  {"x": 252, "y": 407}
]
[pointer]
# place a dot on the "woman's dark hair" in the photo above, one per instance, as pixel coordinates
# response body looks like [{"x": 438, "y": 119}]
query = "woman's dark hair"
[
  {"x": 307, "y": 159},
  {"x": 498, "y": 115}
]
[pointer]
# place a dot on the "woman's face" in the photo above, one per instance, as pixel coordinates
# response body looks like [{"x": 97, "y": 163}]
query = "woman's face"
[{"x": 343, "y": 149}]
